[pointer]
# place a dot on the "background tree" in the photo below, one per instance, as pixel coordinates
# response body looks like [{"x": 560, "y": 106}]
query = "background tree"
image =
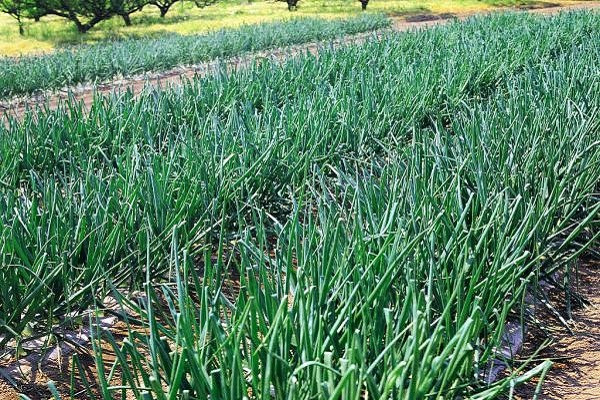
[
  {"x": 124, "y": 8},
  {"x": 363, "y": 4},
  {"x": 17, "y": 9},
  {"x": 292, "y": 4},
  {"x": 163, "y": 5},
  {"x": 34, "y": 12},
  {"x": 204, "y": 3},
  {"x": 85, "y": 14}
]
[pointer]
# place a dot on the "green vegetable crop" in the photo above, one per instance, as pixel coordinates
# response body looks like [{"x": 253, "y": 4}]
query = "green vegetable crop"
[
  {"x": 360, "y": 224},
  {"x": 103, "y": 61}
]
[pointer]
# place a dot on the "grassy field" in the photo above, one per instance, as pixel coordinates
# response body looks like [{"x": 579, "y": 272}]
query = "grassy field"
[
  {"x": 52, "y": 32},
  {"x": 361, "y": 224}
]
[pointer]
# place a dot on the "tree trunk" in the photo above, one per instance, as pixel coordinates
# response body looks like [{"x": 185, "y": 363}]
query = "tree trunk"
[
  {"x": 21, "y": 28},
  {"x": 363, "y": 4},
  {"x": 84, "y": 28},
  {"x": 126, "y": 19},
  {"x": 163, "y": 11},
  {"x": 81, "y": 28}
]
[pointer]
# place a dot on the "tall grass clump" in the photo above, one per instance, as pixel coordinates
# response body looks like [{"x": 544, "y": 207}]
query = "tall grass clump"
[
  {"x": 358, "y": 225},
  {"x": 105, "y": 60}
]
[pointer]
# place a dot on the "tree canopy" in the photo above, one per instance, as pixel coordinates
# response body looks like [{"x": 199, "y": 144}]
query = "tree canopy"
[{"x": 86, "y": 14}]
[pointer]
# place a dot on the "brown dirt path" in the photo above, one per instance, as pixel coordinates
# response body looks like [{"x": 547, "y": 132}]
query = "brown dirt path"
[{"x": 86, "y": 93}]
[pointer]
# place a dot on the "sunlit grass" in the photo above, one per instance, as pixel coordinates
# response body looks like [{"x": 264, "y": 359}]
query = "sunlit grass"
[{"x": 53, "y": 32}]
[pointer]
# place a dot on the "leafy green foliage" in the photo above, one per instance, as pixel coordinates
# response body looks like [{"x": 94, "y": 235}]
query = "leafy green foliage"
[
  {"x": 18, "y": 9},
  {"x": 361, "y": 222},
  {"x": 106, "y": 60},
  {"x": 85, "y": 14},
  {"x": 163, "y": 5}
]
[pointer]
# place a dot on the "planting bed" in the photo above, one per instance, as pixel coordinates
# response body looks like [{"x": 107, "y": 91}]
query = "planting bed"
[
  {"x": 359, "y": 224},
  {"x": 106, "y": 60}
]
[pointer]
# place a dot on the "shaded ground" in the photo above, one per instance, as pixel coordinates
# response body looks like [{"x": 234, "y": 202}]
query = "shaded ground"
[
  {"x": 63, "y": 371},
  {"x": 579, "y": 376},
  {"x": 575, "y": 374}
]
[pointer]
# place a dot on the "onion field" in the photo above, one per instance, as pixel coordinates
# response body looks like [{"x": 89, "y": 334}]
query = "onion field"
[
  {"x": 105, "y": 60},
  {"x": 361, "y": 224}
]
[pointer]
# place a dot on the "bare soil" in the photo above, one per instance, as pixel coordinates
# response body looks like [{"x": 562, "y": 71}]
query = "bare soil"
[
  {"x": 34, "y": 383},
  {"x": 575, "y": 374},
  {"x": 7, "y": 392},
  {"x": 578, "y": 377}
]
